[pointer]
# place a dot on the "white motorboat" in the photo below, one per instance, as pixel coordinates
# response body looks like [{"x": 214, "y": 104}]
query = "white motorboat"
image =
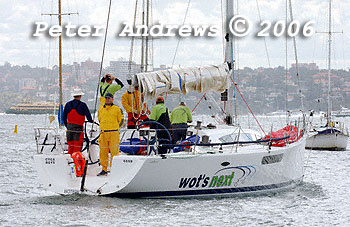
[{"x": 343, "y": 112}]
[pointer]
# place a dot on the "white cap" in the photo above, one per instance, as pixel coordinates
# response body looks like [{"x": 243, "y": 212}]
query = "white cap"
[{"x": 77, "y": 92}]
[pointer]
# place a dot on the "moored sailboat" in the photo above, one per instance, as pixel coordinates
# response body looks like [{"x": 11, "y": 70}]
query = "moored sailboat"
[{"x": 333, "y": 135}]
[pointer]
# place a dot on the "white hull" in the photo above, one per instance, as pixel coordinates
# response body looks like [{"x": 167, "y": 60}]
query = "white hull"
[
  {"x": 327, "y": 141},
  {"x": 249, "y": 169}
]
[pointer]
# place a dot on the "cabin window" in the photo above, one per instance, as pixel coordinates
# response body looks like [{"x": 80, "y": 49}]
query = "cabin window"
[{"x": 271, "y": 159}]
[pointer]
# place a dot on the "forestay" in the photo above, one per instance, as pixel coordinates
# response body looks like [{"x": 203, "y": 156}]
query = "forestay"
[{"x": 183, "y": 80}]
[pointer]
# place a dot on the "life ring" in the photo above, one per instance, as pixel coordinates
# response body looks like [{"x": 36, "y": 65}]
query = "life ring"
[{"x": 79, "y": 163}]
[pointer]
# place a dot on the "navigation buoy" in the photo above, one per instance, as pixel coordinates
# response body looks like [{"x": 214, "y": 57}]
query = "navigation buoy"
[
  {"x": 51, "y": 118},
  {"x": 15, "y": 131}
]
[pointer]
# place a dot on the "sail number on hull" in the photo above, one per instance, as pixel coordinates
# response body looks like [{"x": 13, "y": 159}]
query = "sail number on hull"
[{"x": 50, "y": 161}]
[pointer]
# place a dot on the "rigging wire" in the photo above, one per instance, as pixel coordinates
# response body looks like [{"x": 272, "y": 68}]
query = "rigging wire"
[
  {"x": 73, "y": 43},
  {"x": 286, "y": 71},
  {"x": 152, "y": 40},
  {"x": 236, "y": 65},
  {"x": 267, "y": 52},
  {"x": 178, "y": 41},
  {"x": 296, "y": 59},
  {"x": 132, "y": 41},
  {"x": 49, "y": 54},
  {"x": 102, "y": 57},
  {"x": 198, "y": 103},
  {"x": 248, "y": 106},
  {"x": 342, "y": 29},
  {"x": 314, "y": 48},
  {"x": 223, "y": 30}
]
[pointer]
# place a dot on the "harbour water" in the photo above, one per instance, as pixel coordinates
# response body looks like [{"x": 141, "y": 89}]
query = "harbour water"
[{"x": 323, "y": 199}]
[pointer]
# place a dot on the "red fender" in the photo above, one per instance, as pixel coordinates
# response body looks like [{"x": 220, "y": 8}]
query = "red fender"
[{"x": 79, "y": 162}]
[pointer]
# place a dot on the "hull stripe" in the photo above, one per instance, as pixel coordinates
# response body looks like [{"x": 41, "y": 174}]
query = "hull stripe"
[{"x": 202, "y": 191}]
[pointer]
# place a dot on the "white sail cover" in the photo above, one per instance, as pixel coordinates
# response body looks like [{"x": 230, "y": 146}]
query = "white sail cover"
[{"x": 183, "y": 80}]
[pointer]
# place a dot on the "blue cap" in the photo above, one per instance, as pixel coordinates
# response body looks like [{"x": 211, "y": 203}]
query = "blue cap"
[{"x": 109, "y": 95}]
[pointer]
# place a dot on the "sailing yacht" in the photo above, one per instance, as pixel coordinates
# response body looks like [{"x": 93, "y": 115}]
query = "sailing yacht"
[
  {"x": 223, "y": 160},
  {"x": 333, "y": 135}
]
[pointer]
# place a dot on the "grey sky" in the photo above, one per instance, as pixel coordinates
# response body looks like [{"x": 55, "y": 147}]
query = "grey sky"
[{"x": 18, "y": 47}]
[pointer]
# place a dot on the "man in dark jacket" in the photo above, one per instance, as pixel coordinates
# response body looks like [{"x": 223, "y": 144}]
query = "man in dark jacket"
[
  {"x": 160, "y": 114},
  {"x": 74, "y": 115}
]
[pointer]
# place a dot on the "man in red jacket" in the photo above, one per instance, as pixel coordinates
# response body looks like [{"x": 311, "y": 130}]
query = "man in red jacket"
[{"x": 74, "y": 115}]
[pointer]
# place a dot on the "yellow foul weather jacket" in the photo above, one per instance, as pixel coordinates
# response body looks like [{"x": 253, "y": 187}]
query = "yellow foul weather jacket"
[
  {"x": 110, "y": 117},
  {"x": 131, "y": 101}
]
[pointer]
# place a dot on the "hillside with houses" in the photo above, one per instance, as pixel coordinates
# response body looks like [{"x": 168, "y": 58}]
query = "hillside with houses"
[{"x": 265, "y": 89}]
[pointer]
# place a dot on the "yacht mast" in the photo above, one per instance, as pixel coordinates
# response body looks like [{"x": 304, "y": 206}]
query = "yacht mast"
[
  {"x": 229, "y": 50},
  {"x": 142, "y": 38},
  {"x": 60, "y": 54},
  {"x": 329, "y": 60},
  {"x": 60, "y": 14},
  {"x": 147, "y": 39}
]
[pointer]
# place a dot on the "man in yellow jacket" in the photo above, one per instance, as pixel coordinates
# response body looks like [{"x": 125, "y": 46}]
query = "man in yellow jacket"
[
  {"x": 133, "y": 104},
  {"x": 111, "y": 118}
]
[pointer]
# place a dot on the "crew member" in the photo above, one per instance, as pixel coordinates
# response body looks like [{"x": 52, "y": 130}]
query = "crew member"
[
  {"x": 179, "y": 118},
  {"x": 160, "y": 114},
  {"x": 133, "y": 104},
  {"x": 106, "y": 86},
  {"x": 111, "y": 118},
  {"x": 74, "y": 115}
]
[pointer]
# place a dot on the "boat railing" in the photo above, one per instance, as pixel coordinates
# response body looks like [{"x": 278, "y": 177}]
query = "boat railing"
[
  {"x": 50, "y": 140},
  {"x": 53, "y": 141}
]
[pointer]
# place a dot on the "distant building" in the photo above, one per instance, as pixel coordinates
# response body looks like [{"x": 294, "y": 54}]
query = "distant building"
[
  {"x": 124, "y": 68},
  {"x": 28, "y": 84},
  {"x": 88, "y": 69},
  {"x": 161, "y": 67},
  {"x": 309, "y": 66}
]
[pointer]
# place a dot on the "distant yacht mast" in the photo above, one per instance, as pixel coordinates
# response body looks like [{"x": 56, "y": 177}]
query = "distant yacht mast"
[
  {"x": 60, "y": 110},
  {"x": 329, "y": 61}
]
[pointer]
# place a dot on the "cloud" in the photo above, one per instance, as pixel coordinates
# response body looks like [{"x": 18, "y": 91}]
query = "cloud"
[{"x": 19, "y": 48}]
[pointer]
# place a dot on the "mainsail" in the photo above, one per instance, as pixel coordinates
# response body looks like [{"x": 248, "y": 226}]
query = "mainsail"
[{"x": 183, "y": 80}]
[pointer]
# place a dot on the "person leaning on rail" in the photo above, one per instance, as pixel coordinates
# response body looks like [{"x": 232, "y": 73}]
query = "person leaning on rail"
[
  {"x": 106, "y": 86},
  {"x": 133, "y": 104},
  {"x": 111, "y": 118},
  {"x": 179, "y": 118}
]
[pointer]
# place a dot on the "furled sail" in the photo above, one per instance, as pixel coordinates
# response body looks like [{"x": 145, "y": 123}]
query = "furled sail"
[{"x": 183, "y": 80}]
